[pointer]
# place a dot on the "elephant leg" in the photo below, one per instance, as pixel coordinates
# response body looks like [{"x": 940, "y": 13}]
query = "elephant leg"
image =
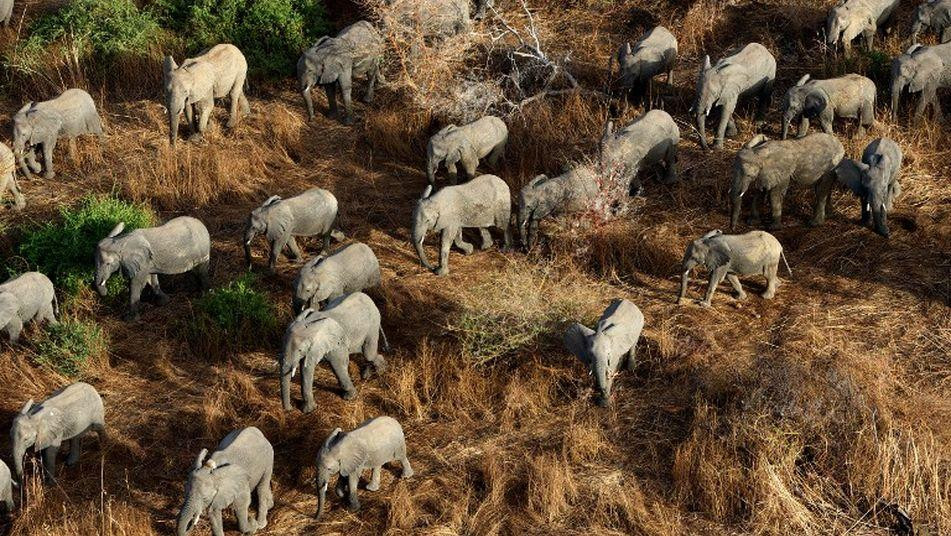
[
  {"x": 245, "y": 105},
  {"x": 803, "y": 127},
  {"x": 75, "y": 448},
  {"x": 735, "y": 281},
  {"x": 506, "y": 236},
  {"x": 670, "y": 164},
  {"x": 446, "y": 239},
  {"x": 190, "y": 117},
  {"x": 31, "y": 162},
  {"x": 765, "y": 99},
  {"x": 731, "y": 130},
  {"x": 204, "y": 115},
  {"x": 470, "y": 166},
  {"x": 452, "y": 172},
  {"x": 726, "y": 116},
  {"x": 154, "y": 283},
  {"x": 14, "y": 327},
  {"x": 486, "y": 238},
  {"x": 339, "y": 364},
  {"x": 776, "y": 205},
  {"x": 371, "y": 83},
  {"x": 48, "y": 148},
  {"x": 307, "y": 387},
  {"x": 532, "y": 233},
  {"x": 48, "y": 314},
  {"x": 295, "y": 252},
  {"x": 866, "y": 119},
  {"x": 716, "y": 276},
  {"x": 214, "y": 519},
  {"x": 825, "y": 121},
  {"x": 353, "y": 502},
  {"x": 241, "y": 505},
  {"x": 755, "y": 207},
  {"x": 235, "y": 98},
  {"x": 277, "y": 246},
  {"x": 497, "y": 153},
  {"x": 341, "y": 487},
  {"x": 407, "y": 468},
  {"x": 466, "y": 247},
  {"x": 823, "y": 191},
  {"x": 100, "y": 429},
  {"x": 374, "y": 484},
  {"x": 135, "y": 295},
  {"x": 204, "y": 277},
  {"x": 49, "y": 464},
  {"x": 346, "y": 89},
  {"x": 331, "y": 90},
  {"x": 772, "y": 281},
  {"x": 265, "y": 499},
  {"x": 922, "y": 105},
  {"x": 630, "y": 362}
]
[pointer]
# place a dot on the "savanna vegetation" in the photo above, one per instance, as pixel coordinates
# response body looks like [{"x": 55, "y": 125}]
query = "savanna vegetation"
[{"x": 822, "y": 411}]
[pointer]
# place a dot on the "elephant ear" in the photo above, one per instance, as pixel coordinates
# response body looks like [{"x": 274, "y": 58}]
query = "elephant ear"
[
  {"x": 353, "y": 456},
  {"x": 711, "y": 234},
  {"x": 25, "y": 109},
  {"x": 467, "y": 151},
  {"x": 116, "y": 230},
  {"x": 45, "y": 126},
  {"x": 25, "y": 410},
  {"x": 135, "y": 256},
  {"x": 169, "y": 66},
  {"x": 576, "y": 341},
  {"x": 200, "y": 460},
  {"x": 48, "y": 429},
  {"x": 815, "y": 103},
  {"x": 755, "y": 141},
  {"x": 538, "y": 180},
  {"x": 271, "y": 200},
  {"x": 913, "y": 48},
  {"x": 331, "y": 439},
  {"x": 427, "y": 192},
  {"x": 803, "y": 80},
  {"x": 849, "y": 174}
]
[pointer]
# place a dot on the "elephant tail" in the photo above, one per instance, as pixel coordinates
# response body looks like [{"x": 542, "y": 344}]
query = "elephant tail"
[
  {"x": 783, "y": 255},
  {"x": 386, "y": 343},
  {"x": 55, "y": 304}
]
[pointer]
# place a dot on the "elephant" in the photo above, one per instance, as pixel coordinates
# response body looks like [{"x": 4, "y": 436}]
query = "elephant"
[
  {"x": 6, "y": 488},
  {"x": 654, "y": 53},
  {"x": 610, "y": 345},
  {"x": 6, "y": 12},
  {"x": 756, "y": 252},
  {"x": 220, "y": 71},
  {"x": 348, "y": 325},
  {"x": 180, "y": 245},
  {"x": 749, "y": 72},
  {"x": 333, "y": 62},
  {"x": 39, "y": 125},
  {"x": 311, "y": 213},
  {"x": 353, "y": 268},
  {"x": 651, "y": 139},
  {"x": 934, "y": 15},
  {"x": 27, "y": 297},
  {"x": 922, "y": 70},
  {"x": 483, "y": 202},
  {"x": 241, "y": 464},
  {"x": 849, "y": 19},
  {"x": 432, "y": 19},
  {"x": 66, "y": 415},
  {"x": 8, "y": 180},
  {"x": 468, "y": 144},
  {"x": 874, "y": 181},
  {"x": 569, "y": 193},
  {"x": 851, "y": 96},
  {"x": 774, "y": 165},
  {"x": 375, "y": 442}
]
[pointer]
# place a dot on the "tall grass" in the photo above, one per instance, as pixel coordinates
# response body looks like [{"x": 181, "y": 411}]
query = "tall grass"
[{"x": 233, "y": 317}]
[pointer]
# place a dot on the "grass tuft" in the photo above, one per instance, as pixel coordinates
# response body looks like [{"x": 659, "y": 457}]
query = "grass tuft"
[
  {"x": 233, "y": 317},
  {"x": 69, "y": 346}
]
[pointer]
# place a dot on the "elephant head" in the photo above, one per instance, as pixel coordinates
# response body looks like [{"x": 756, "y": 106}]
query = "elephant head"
[
  {"x": 309, "y": 337},
  {"x": 258, "y": 222},
  {"x": 128, "y": 252},
  {"x": 178, "y": 85},
  {"x": 808, "y": 101},
  {"x": 425, "y": 219},
  {"x": 714, "y": 85},
  {"x": 209, "y": 486},
  {"x": 596, "y": 349},
  {"x": 339, "y": 454},
  {"x": 446, "y": 147},
  {"x": 746, "y": 168},
  {"x": 32, "y": 127},
  {"x": 533, "y": 204},
  {"x": 630, "y": 69},
  {"x": 308, "y": 289},
  {"x": 35, "y": 427},
  {"x": 836, "y": 23},
  {"x": 324, "y": 63},
  {"x": 871, "y": 183}
]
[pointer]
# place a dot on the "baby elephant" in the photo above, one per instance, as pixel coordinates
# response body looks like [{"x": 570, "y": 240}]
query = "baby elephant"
[
  {"x": 333, "y": 62},
  {"x": 180, "y": 245},
  {"x": 8, "y": 179},
  {"x": 468, "y": 145},
  {"x": 374, "y": 443},
  {"x": 569, "y": 193},
  {"x": 24, "y": 298},
  {"x": 851, "y": 96},
  {"x": 312, "y": 213},
  {"x": 348, "y": 325},
  {"x": 610, "y": 345},
  {"x": 934, "y": 15},
  {"x": 65, "y": 416},
  {"x": 39, "y": 125},
  {"x": 756, "y": 252},
  {"x": 6, "y": 488},
  {"x": 653, "y": 54},
  {"x": 241, "y": 465},
  {"x": 874, "y": 181},
  {"x": 922, "y": 70},
  {"x": 774, "y": 165},
  {"x": 852, "y": 18},
  {"x": 482, "y": 202},
  {"x": 650, "y": 140},
  {"x": 353, "y": 268}
]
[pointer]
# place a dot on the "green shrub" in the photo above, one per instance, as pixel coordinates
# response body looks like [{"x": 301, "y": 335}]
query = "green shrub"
[
  {"x": 65, "y": 249},
  {"x": 270, "y": 33},
  {"x": 69, "y": 346},
  {"x": 233, "y": 317}
]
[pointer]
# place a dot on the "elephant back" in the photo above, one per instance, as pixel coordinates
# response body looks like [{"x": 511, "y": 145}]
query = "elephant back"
[
  {"x": 7, "y": 160},
  {"x": 246, "y": 448},
  {"x": 383, "y": 436}
]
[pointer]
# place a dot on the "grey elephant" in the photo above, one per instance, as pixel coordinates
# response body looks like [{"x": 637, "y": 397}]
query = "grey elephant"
[
  {"x": 756, "y": 252},
  {"x": 874, "y": 181},
  {"x": 466, "y": 145},
  {"x": 849, "y": 19},
  {"x": 6, "y": 488},
  {"x": 371, "y": 445},
  {"x": 333, "y": 62},
  {"x": 608, "y": 347},
  {"x": 933, "y": 15},
  {"x": 922, "y": 70},
  {"x": 311, "y": 213},
  {"x": 770, "y": 167},
  {"x": 8, "y": 180},
  {"x": 348, "y": 325},
  {"x": 747, "y": 73},
  {"x": 571, "y": 192},
  {"x": 180, "y": 245},
  {"x": 482, "y": 203},
  {"x": 650, "y": 140},
  {"x": 6, "y": 12},
  {"x": 851, "y": 96},
  {"x": 65, "y": 416},
  {"x": 353, "y": 268},
  {"x": 240, "y": 466},
  {"x": 652, "y": 54},
  {"x": 192, "y": 88},
  {"x": 432, "y": 19},
  {"x": 39, "y": 125},
  {"x": 25, "y": 298}
]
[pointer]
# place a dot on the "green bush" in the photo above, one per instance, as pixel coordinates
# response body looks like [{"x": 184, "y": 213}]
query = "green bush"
[
  {"x": 233, "y": 317},
  {"x": 69, "y": 346},
  {"x": 65, "y": 249},
  {"x": 270, "y": 33}
]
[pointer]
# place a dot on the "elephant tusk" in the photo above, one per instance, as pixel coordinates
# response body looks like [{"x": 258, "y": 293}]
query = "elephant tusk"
[
  {"x": 294, "y": 371},
  {"x": 742, "y": 193},
  {"x": 324, "y": 489}
]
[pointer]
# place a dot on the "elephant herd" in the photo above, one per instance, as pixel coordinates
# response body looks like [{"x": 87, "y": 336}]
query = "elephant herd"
[{"x": 336, "y": 319}]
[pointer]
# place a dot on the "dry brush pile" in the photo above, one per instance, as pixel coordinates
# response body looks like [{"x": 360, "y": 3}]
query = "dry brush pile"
[{"x": 818, "y": 412}]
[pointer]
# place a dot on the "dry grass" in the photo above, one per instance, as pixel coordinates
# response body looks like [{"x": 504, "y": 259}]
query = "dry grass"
[{"x": 801, "y": 415}]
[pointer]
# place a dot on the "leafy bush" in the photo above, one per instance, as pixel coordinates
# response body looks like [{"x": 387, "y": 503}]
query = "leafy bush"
[
  {"x": 270, "y": 33},
  {"x": 69, "y": 346},
  {"x": 64, "y": 250},
  {"x": 233, "y": 317}
]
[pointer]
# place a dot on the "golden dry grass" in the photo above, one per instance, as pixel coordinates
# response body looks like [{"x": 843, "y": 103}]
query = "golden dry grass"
[{"x": 801, "y": 415}]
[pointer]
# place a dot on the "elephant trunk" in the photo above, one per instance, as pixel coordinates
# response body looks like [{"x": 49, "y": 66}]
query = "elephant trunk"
[
  {"x": 249, "y": 235},
  {"x": 286, "y": 389},
  {"x": 432, "y": 162},
  {"x": 172, "y": 126},
  {"x": 187, "y": 518},
  {"x": 701, "y": 127},
  {"x": 736, "y": 201},
  {"x": 897, "y": 87},
  {"x": 321, "y": 496},
  {"x": 523, "y": 223},
  {"x": 298, "y": 303},
  {"x": 419, "y": 236},
  {"x": 19, "y": 152},
  {"x": 102, "y": 277},
  {"x": 19, "y": 451},
  {"x": 787, "y": 119},
  {"x": 879, "y": 220}
]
